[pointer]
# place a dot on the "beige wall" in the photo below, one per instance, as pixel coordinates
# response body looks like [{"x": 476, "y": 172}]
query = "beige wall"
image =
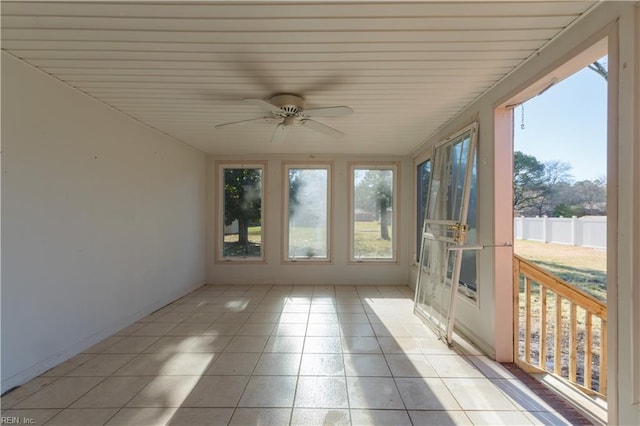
[{"x": 102, "y": 221}]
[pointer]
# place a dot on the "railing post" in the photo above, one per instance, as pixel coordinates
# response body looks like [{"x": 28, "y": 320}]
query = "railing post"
[
  {"x": 516, "y": 309},
  {"x": 602, "y": 380},
  {"x": 588, "y": 348},
  {"x": 557, "y": 349},
  {"x": 573, "y": 343},
  {"x": 542, "y": 362},
  {"x": 527, "y": 320}
]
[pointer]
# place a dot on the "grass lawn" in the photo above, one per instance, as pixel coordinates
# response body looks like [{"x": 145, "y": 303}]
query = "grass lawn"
[
  {"x": 307, "y": 242},
  {"x": 232, "y": 248},
  {"x": 584, "y": 267},
  {"x": 369, "y": 244}
]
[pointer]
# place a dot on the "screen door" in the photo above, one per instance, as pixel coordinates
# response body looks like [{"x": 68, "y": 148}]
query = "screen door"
[{"x": 444, "y": 227}]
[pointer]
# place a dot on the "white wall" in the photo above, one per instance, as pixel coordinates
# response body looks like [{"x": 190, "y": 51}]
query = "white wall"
[
  {"x": 339, "y": 271},
  {"x": 103, "y": 221},
  {"x": 623, "y": 263}
]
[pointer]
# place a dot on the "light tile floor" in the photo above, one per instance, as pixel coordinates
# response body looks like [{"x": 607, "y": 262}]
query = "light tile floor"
[{"x": 302, "y": 355}]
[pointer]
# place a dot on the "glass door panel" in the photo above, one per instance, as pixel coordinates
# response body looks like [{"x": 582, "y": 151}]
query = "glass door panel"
[{"x": 444, "y": 226}]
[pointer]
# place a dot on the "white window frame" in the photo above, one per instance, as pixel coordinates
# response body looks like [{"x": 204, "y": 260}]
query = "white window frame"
[
  {"x": 417, "y": 228},
  {"x": 221, "y": 167},
  {"x": 395, "y": 167},
  {"x": 475, "y": 300},
  {"x": 437, "y": 313},
  {"x": 285, "y": 209}
]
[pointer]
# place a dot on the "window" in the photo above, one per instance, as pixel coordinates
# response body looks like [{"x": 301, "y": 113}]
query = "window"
[
  {"x": 242, "y": 232},
  {"x": 423, "y": 172},
  {"x": 373, "y": 213},
  {"x": 307, "y": 213}
]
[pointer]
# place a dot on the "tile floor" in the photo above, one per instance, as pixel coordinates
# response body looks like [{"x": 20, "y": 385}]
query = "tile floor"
[{"x": 312, "y": 355}]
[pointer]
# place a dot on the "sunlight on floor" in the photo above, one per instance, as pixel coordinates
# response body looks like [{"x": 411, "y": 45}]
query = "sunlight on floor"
[{"x": 280, "y": 355}]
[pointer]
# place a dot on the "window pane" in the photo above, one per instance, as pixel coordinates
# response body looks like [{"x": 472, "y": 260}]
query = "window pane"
[
  {"x": 468, "y": 270},
  {"x": 373, "y": 214},
  {"x": 458, "y": 164},
  {"x": 423, "y": 174},
  {"x": 242, "y": 212},
  {"x": 307, "y": 213}
]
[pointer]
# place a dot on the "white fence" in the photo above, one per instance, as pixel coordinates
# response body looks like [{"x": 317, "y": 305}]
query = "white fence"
[{"x": 588, "y": 231}]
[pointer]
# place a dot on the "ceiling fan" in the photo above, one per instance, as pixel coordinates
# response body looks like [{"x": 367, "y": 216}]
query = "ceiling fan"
[{"x": 288, "y": 109}]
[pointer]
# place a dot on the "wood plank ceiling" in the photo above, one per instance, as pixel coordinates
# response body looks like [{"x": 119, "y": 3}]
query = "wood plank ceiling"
[{"x": 405, "y": 68}]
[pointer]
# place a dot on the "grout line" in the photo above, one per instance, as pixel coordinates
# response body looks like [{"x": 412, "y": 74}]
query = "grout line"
[
  {"x": 346, "y": 383},
  {"x": 256, "y": 299}
]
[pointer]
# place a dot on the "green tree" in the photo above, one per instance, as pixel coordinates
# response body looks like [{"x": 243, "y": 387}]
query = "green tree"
[
  {"x": 547, "y": 188},
  {"x": 555, "y": 173},
  {"x": 591, "y": 197},
  {"x": 563, "y": 210},
  {"x": 376, "y": 189},
  {"x": 528, "y": 180},
  {"x": 295, "y": 182},
  {"x": 242, "y": 201}
]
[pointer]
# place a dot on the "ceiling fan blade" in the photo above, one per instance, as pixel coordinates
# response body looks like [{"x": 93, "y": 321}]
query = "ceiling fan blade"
[
  {"x": 333, "y": 111},
  {"x": 264, "y": 105},
  {"x": 324, "y": 84},
  {"x": 279, "y": 133},
  {"x": 322, "y": 128},
  {"x": 252, "y": 66},
  {"x": 265, "y": 119}
]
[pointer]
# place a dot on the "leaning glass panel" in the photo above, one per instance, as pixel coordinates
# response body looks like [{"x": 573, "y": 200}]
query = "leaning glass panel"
[
  {"x": 423, "y": 172},
  {"x": 468, "y": 282}
]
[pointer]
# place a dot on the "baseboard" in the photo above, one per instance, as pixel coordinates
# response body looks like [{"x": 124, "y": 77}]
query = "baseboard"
[
  {"x": 468, "y": 335},
  {"x": 322, "y": 283}
]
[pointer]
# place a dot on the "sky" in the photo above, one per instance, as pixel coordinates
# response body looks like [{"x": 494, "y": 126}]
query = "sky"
[{"x": 568, "y": 122}]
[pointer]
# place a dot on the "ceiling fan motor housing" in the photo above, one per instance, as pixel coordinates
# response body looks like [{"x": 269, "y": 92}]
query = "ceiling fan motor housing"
[{"x": 291, "y": 105}]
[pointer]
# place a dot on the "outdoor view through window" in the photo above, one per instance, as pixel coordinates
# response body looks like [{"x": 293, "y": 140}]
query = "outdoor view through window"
[
  {"x": 242, "y": 212},
  {"x": 373, "y": 202},
  {"x": 307, "y": 213},
  {"x": 560, "y": 228},
  {"x": 560, "y": 180}
]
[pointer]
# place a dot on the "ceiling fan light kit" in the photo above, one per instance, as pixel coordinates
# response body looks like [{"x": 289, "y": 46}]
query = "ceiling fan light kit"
[{"x": 289, "y": 109}]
